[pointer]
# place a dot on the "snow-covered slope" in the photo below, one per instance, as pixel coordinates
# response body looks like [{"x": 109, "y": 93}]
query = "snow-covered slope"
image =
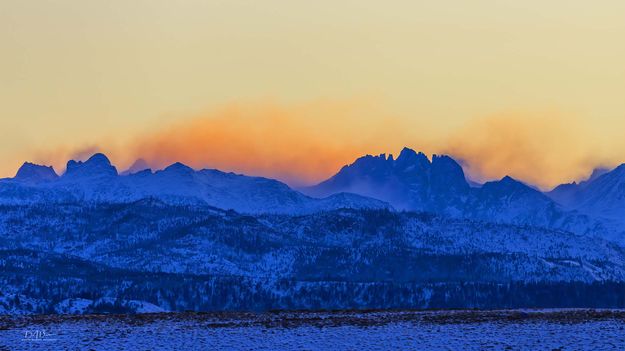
[
  {"x": 147, "y": 255},
  {"x": 603, "y": 195},
  {"x": 342, "y": 245},
  {"x": 96, "y": 180},
  {"x": 567, "y": 194},
  {"x": 413, "y": 182}
]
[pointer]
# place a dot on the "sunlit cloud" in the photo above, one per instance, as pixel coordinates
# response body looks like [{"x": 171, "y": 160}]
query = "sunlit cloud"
[
  {"x": 302, "y": 144},
  {"x": 298, "y": 143},
  {"x": 541, "y": 148}
]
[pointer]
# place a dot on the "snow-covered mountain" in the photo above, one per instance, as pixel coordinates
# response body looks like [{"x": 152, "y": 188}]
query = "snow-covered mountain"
[
  {"x": 410, "y": 182},
  {"x": 566, "y": 194},
  {"x": 34, "y": 174},
  {"x": 96, "y": 180},
  {"x": 511, "y": 201},
  {"x": 413, "y": 182},
  {"x": 602, "y": 195}
]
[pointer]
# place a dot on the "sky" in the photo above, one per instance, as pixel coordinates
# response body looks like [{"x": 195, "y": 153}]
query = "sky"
[{"x": 296, "y": 89}]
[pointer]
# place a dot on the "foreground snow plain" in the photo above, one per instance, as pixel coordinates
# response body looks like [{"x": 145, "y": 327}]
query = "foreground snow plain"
[{"x": 372, "y": 330}]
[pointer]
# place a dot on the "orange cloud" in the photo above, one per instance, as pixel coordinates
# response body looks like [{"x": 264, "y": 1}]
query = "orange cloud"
[
  {"x": 300, "y": 144},
  {"x": 306, "y": 143},
  {"x": 544, "y": 149}
]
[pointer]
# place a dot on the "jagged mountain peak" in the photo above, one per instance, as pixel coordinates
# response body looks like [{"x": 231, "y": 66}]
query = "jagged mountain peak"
[
  {"x": 446, "y": 163},
  {"x": 30, "y": 172},
  {"x": 96, "y": 165},
  {"x": 408, "y": 153},
  {"x": 368, "y": 160},
  {"x": 409, "y": 159},
  {"x": 411, "y": 181},
  {"x": 447, "y": 175}
]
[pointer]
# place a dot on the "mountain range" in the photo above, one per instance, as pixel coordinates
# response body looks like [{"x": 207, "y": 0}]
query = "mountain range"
[
  {"x": 414, "y": 183},
  {"x": 411, "y": 182},
  {"x": 409, "y": 232},
  {"x": 96, "y": 180}
]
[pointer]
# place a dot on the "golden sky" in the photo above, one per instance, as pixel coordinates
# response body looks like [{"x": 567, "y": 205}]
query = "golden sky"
[{"x": 294, "y": 89}]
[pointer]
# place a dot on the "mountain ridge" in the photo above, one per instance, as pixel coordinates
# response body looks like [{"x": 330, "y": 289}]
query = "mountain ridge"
[
  {"x": 602, "y": 195},
  {"x": 97, "y": 180},
  {"x": 410, "y": 182}
]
